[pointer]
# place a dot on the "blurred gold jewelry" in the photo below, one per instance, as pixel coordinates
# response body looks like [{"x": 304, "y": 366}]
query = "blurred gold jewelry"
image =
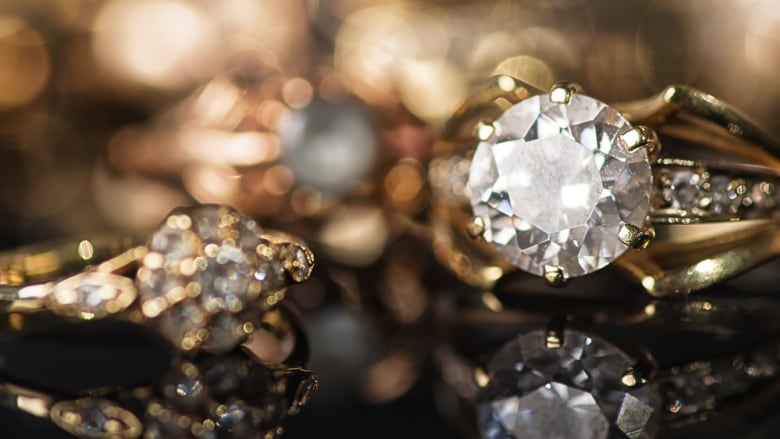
[
  {"x": 237, "y": 392},
  {"x": 205, "y": 279},
  {"x": 301, "y": 153},
  {"x": 562, "y": 185}
]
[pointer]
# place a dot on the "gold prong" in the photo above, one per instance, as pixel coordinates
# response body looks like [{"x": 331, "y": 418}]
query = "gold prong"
[
  {"x": 642, "y": 371},
  {"x": 553, "y": 335},
  {"x": 635, "y": 237},
  {"x": 485, "y": 130},
  {"x": 554, "y": 276},
  {"x": 633, "y": 378},
  {"x": 642, "y": 136},
  {"x": 481, "y": 377},
  {"x": 561, "y": 92},
  {"x": 476, "y": 227}
]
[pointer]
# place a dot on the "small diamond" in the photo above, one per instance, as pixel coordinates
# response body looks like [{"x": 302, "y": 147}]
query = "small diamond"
[
  {"x": 685, "y": 190},
  {"x": 555, "y": 185},
  {"x": 571, "y": 391},
  {"x": 92, "y": 295}
]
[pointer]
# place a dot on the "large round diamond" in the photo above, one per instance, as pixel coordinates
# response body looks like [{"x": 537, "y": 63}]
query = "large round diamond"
[
  {"x": 574, "y": 391},
  {"x": 555, "y": 184}
]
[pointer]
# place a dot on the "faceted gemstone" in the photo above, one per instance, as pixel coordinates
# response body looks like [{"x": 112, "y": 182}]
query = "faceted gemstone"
[
  {"x": 684, "y": 190},
  {"x": 725, "y": 197},
  {"x": 555, "y": 184},
  {"x": 572, "y": 391}
]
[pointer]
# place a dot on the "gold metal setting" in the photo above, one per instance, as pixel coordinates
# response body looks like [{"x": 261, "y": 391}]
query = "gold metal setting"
[
  {"x": 680, "y": 114},
  {"x": 561, "y": 92},
  {"x": 112, "y": 413},
  {"x": 104, "y": 290},
  {"x": 476, "y": 227},
  {"x": 642, "y": 137},
  {"x": 635, "y": 237},
  {"x": 485, "y": 130},
  {"x": 554, "y": 276},
  {"x": 633, "y": 379}
]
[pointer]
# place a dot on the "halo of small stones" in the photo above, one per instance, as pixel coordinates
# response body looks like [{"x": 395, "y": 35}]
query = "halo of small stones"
[{"x": 209, "y": 270}]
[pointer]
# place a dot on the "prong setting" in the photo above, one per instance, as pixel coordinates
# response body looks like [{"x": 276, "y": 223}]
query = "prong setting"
[
  {"x": 553, "y": 334},
  {"x": 485, "y": 130},
  {"x": 562, "y": 92},
  {"x": 476, "y": 227},
  {"x": 633, "y": 378},
  {"x": 642, "y": 137},
  {"x": 481, "y": 377},
  {"x": 635, "y": 237},
  {"x": 554, "y": 276},
  {"x": 641, "y": 372}
]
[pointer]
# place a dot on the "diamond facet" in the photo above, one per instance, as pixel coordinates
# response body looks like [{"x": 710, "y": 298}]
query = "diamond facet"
[
  {"x": 555, "y": 184},
  {"x": 571, "y": 391}
]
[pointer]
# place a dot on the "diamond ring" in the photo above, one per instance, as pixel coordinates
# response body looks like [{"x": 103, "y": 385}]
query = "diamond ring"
[
  {"x": 561, "y": 185},
  {"x": 234, "y": 394},
  {"x": 551, "y": 380},
  {"x": 205, "y": 279}
]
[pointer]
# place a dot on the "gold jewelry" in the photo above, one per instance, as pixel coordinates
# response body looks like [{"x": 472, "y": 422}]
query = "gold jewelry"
[
  {"x": 204, "y": 280},
  {"x": 236, "y": 391},
  {"x": 562, "y": 185},
  {"x": 572, "y": 382}
]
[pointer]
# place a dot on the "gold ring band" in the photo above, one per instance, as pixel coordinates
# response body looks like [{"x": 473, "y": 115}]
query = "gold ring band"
[
  {"x": 608, "y": 193},
  {"x": 205, "y": 279}
]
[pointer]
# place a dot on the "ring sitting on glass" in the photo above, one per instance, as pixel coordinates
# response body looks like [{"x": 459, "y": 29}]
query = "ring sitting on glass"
[
  {"x": 611, "y": 373},
  {"x": 245, "y": 392},
  {"x": 561, "y": 185},
  {"x": 204, "y": 280}
]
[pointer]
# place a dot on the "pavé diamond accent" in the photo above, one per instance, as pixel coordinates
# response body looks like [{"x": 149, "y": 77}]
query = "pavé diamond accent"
[
  {"x": 571, "y": 391},
  {"x": 691, "y": 192},
  {"x": 555, "y": 184}
]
